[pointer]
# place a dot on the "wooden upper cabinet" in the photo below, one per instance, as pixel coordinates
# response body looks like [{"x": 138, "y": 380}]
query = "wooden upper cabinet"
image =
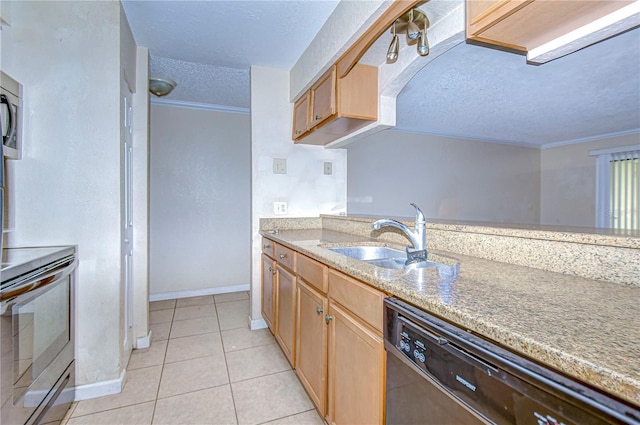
[
  {"x": 323, "y": 97},
  {"x": 301, "y": 116},
  {"x": 340, "y": 106},
  {"x": 523, "y": 25}
]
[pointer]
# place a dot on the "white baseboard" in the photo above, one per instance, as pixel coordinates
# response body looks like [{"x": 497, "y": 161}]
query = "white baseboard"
[
  {"x": 257, "y": 324},
  {"x": 99, "y": 389},
  {"x": 143, "y": 341},
  {"x": 161, "y": 296}
]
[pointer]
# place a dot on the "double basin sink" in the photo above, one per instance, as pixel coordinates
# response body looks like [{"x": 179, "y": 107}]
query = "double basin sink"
[{"x": 391, "y": 258}]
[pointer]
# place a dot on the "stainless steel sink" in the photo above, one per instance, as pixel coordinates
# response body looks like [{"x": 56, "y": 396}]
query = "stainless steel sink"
[
  {"x": 390, "y": 258},
  {"x": 370, "y": 253}
]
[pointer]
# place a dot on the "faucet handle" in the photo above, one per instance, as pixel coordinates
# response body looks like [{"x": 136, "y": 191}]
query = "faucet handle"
[{"x": 419, "y": 215}]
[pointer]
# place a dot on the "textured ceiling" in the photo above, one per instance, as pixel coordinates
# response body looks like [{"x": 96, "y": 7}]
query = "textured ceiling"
[
  {"x": 486, "y": 94},
  {"x": 470, "y": 91},
  {"x": 208, "y": 46}
]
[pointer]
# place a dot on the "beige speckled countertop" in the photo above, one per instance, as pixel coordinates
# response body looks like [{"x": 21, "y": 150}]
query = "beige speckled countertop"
[{"x": 585, "y": 328}]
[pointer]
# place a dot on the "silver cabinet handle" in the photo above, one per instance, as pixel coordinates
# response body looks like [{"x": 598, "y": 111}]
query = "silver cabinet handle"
[
  {"x": 319, "y": 310},
  {"x": 266, "y": 246},
  {"x": 327, "y": 318},
  {"x": 283, "y": 256},
  {"x": 272, "y": 270}
]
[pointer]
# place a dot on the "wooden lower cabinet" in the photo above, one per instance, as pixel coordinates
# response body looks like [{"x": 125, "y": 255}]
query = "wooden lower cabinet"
[
  {"x": 268, "y": 291},
  {"x": 356, "y": 370},
  {"x": 311, "y": 344},
  {"x": 329, "y": 326},
  {"x": 286, "y": 312}
]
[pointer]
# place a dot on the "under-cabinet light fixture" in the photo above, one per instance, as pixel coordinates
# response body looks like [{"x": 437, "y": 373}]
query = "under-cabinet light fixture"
[{"x": 617, "y": 22}]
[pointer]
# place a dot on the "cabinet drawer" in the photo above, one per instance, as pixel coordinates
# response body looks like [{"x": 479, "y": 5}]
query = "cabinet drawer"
[
  {"x": 363, "y": 300},
  {"x": 267, "y": 247},
  {"x": 285, "y": 256},
  {"x": 313, "y": 272}
]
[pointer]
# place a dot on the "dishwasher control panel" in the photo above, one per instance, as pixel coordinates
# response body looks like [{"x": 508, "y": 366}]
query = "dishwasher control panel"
[{"x": 495, "y": 385}]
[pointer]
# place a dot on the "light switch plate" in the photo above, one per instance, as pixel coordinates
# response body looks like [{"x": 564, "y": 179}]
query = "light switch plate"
[
  {"x": 328, "y": 168},
  {"x": 279, "y": 166}
]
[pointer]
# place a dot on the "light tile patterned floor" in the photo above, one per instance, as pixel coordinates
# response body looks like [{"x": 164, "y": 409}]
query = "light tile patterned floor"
[{"x": 204, "y": 366}]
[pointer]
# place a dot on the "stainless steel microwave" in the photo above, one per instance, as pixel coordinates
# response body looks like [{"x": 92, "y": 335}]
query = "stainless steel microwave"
[{"x": 11, "y": 116}]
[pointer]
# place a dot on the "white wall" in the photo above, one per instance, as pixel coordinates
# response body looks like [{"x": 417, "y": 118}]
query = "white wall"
[
  {"x": 200, "y": 170},
  {"x": 67, "y": 186},
  {"x": 448, "y": 178},
  {"x": 305, "y": 188},
  {"x": 568, "y": 181}
]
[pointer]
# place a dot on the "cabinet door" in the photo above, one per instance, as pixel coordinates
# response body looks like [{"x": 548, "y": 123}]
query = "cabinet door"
[
  {"x": 286, "y": 313},
  {"x": 301, "y": 116},
  {"x": 323, "y": 98},
  {"x": 356, "y": 371},
  {"x": 268, "y": 299},
  {"x": 311, "y": 344}
]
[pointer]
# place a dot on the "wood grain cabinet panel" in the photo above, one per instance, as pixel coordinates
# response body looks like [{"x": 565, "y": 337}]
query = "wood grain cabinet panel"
[
  {"x": 312, "y": 343},
  {"x": 267, "y": 247},
  {"x": 285, "y": 257},
  {"x": 315, "y": 273},
  {"x": 360, "y": 298},
  {"x": 268, "y": 291},
  {"x": 356, "y": 371},
  {"x": 340, "y": 106},
  {"x": 323, "y": 98},
  {"x": 301, "y": 117},
  {"x": 286, "y": 313},
  {"x": 523, "y": 25}
]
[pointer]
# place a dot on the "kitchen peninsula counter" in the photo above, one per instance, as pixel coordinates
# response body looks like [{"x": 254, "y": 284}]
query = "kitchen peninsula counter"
[{"x": 585, "y": 328}]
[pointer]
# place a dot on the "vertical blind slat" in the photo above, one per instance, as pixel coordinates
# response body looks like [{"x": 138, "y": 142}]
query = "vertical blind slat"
[{"x": 625, "y": 191}]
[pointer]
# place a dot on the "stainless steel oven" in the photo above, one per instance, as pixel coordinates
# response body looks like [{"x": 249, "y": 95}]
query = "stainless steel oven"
[
  {"x": 440, "y": 374},
  {"x": 37, "y": 332}
]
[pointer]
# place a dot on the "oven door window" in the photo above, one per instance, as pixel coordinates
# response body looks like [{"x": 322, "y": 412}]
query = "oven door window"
[{"x": 41, "y": 329}]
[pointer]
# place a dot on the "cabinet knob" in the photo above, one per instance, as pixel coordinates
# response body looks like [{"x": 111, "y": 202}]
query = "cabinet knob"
[
  {"x": 318, "y": 117},
  {"x": 319, "y": 310},
  {"x": 272, "y": 270},
  {"x": 283, "y": 256},
  {"x": 266, "y": 246},
  {"x": 298, "y": 132},
  {"x": 327, "y": 318}
]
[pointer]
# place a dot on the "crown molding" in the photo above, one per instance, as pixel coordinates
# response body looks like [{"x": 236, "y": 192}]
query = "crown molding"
[{"x": 196, "y": 105}]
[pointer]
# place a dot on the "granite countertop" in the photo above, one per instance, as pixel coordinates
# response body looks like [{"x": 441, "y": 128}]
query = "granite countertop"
[{"x": 585, "y": 328}]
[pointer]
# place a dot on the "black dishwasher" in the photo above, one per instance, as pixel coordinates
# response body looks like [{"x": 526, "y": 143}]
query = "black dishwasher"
[{"x": 440, "y": 374}]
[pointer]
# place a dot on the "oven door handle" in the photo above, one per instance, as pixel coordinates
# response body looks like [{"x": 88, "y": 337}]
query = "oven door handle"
[{"x": 34, "y": 287}]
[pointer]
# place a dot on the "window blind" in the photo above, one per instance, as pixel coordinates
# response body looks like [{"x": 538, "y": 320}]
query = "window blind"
[{"x": 624, "y": 190}]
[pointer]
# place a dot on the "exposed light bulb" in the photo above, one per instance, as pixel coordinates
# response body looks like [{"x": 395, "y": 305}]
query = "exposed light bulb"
[
  {"x": 394, "y": 47},
  {"x": 423, "y": 44}
]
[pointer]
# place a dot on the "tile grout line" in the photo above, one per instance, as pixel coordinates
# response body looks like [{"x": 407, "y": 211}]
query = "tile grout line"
[
  {"x": 226, "y": 364},
  {"x": 164, "y": 359}
]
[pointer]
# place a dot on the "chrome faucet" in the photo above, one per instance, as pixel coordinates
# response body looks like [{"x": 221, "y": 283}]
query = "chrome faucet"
[{"x": 417, "y": 237}]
